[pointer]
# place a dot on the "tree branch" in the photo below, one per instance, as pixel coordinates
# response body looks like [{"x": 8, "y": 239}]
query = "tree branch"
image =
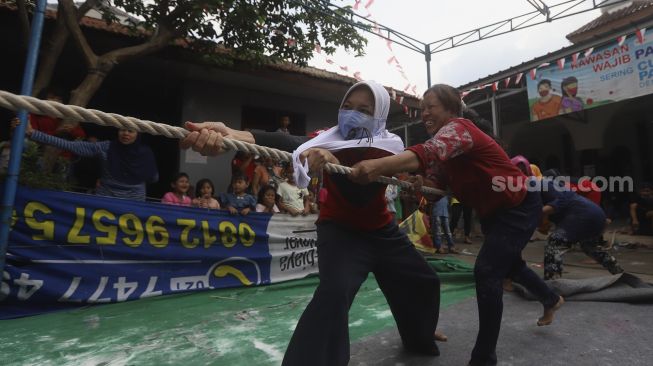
[
  {"x": 69, "y": 13},
  {"x": 162, "y": 38},
  {"x": 85, "y": 7},
  {"x": 23, "y": 20}
]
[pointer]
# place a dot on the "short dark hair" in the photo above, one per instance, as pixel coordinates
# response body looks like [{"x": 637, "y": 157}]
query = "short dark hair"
[
  {"x": 263, "y": 190},
  {"x": 239, "y": 176},
  {"x": 180, "y": 175},
  {"x": 201, "y": 182},
  {"x": 448, "y": 96},
  {"x": 544, "y": 81}
]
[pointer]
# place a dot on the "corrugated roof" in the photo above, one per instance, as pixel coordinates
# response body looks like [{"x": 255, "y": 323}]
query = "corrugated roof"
[{"x": 611, "y": 17}]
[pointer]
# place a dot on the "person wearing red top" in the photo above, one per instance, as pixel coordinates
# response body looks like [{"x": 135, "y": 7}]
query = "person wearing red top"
[
  {"x": 356, "y": 234},
  {"x": 55, "y": 127},
  {"x": 587, "y": 189},
  {"x": 479, "y": 174}
]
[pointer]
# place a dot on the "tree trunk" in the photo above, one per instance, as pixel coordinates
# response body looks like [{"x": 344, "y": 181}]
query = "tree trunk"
[
  {"x": 54, "y": 47},
  {"x": 23, "y": 20},
  {"x": 50, "y": 56},
  {"x": 91, "y": 83}
]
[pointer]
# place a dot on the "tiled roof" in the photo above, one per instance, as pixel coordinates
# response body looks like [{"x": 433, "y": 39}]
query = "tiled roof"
[{"x": 637, "y": 10}]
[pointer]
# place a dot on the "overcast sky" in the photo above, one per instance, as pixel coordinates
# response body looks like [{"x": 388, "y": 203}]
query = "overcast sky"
[{"x": 432, "y": 20}]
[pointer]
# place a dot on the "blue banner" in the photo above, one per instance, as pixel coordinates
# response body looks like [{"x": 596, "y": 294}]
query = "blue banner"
[
  {"x": 607, "y": 74},
  {"x": 68, "y": 250}
]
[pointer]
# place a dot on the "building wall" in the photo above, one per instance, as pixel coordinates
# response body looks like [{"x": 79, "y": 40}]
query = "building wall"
[
  {"x": 626, "y": 126},
  {"x": 205, "y": 101}
]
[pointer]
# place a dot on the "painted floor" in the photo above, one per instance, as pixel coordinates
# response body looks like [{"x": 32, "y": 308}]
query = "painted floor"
[{"x": 245, "y": 326}]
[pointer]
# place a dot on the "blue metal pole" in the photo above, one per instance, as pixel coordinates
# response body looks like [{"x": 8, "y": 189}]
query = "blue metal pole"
[{"x": 11, "y": 182}]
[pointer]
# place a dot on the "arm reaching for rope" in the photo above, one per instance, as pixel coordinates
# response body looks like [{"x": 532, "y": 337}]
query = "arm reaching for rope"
[
  {"x": 368, "y": 171},
  {"x": 206, "y": 138}
]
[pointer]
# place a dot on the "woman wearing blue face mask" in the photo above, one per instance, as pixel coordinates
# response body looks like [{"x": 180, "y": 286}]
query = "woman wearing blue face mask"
[{"x": 356, "y": 233}]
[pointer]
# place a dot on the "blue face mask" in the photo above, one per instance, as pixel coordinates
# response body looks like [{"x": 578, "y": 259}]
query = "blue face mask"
[{"x": 355, "y": 125}]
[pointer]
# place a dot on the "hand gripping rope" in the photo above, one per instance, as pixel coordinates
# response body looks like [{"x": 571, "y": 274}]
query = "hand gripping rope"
[{"x": 78, "y": 114}]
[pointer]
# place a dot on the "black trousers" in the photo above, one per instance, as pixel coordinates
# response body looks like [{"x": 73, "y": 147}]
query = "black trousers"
[
  {"x": 506, "y": 235},
  {"x": 456, "y": 210},
  {"x": 346, "y": 257}
]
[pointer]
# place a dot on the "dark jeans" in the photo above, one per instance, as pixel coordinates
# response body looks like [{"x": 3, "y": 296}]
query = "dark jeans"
[
  {"x": 456, "y": 210},
  {"x": 506, "y": 235},
  {"x": 346, "y": 257}
]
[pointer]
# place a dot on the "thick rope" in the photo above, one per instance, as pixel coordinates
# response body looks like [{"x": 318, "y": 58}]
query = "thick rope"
[{"x": 78, "y": 114}]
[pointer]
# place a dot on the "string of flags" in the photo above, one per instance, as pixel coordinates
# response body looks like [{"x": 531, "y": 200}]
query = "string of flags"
[
  {"x": 640, "y": 34},
  {"x": 392, "y": 61}
]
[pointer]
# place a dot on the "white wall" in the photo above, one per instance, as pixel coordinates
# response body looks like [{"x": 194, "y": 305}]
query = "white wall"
[{"x": 205, "y": 101}]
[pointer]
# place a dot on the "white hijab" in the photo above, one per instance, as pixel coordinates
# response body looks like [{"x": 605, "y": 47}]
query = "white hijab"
[{"x": 333, "y": 141}]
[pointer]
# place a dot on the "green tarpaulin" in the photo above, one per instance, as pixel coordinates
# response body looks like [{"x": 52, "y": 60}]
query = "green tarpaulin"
[{"x": 243, "y": 326}]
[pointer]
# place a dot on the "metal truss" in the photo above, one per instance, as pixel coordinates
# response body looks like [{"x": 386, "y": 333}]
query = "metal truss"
[{"x": 543, "y": 13}]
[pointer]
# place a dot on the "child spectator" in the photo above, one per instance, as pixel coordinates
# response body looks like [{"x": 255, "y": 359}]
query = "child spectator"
[
  {"x": 239, "y": 202},
  {"x": 440, "y": 225},
  {"x": 179, "y": 194},
  {"x": 205, "y": 195},
  {"x": 294, "y": 200},
  {"x": 267, "y": 200}
]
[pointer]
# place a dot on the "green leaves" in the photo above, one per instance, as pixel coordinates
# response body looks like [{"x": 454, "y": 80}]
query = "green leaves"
[{"x": 254, "y": 30}]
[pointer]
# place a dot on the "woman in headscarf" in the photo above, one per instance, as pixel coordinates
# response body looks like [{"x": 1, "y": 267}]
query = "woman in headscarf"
[
  {"x": 479, "y": 173},
  {"x": 127, "y": 165},
  {"x": 356, "y": 233}
]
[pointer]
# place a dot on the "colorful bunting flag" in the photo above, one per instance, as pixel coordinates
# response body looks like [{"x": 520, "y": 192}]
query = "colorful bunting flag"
[
  {"x": 561, "y": 63},
  {"x": 518, "y": 78},
  {"x": 506, "y": 81},
  {"x": 495, "y": 86},
  {"x": 621, "y": 40},
  {"x": 641, "y": 35},
  {"x": 588, "y": 52},
  {"x": 533, "y": 73},
  {"x": 574, "y": 58}
]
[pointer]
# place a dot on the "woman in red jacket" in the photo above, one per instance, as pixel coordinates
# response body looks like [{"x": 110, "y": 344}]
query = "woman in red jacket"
[{"x": 479, "y": 174}]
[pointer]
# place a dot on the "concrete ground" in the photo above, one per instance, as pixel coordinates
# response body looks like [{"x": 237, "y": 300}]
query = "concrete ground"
[
  {"x": 634, "y": 254},
  {"x": 583, "y": 333}
]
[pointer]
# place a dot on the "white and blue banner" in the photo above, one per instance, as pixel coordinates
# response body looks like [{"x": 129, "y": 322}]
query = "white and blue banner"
[
  {"x": 606, "y": 74},
  {"x": 68, "y": 250}
]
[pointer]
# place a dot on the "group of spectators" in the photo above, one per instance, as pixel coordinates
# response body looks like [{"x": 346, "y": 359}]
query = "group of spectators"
[{"x": 270, "y": 189}]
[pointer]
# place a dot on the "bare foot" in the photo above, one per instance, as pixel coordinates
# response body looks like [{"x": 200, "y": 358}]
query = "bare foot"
[
  {"x": 547, "y": 317},
  {"x": 440, "y": 337},
  {"x": 507, "y": 285}
]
